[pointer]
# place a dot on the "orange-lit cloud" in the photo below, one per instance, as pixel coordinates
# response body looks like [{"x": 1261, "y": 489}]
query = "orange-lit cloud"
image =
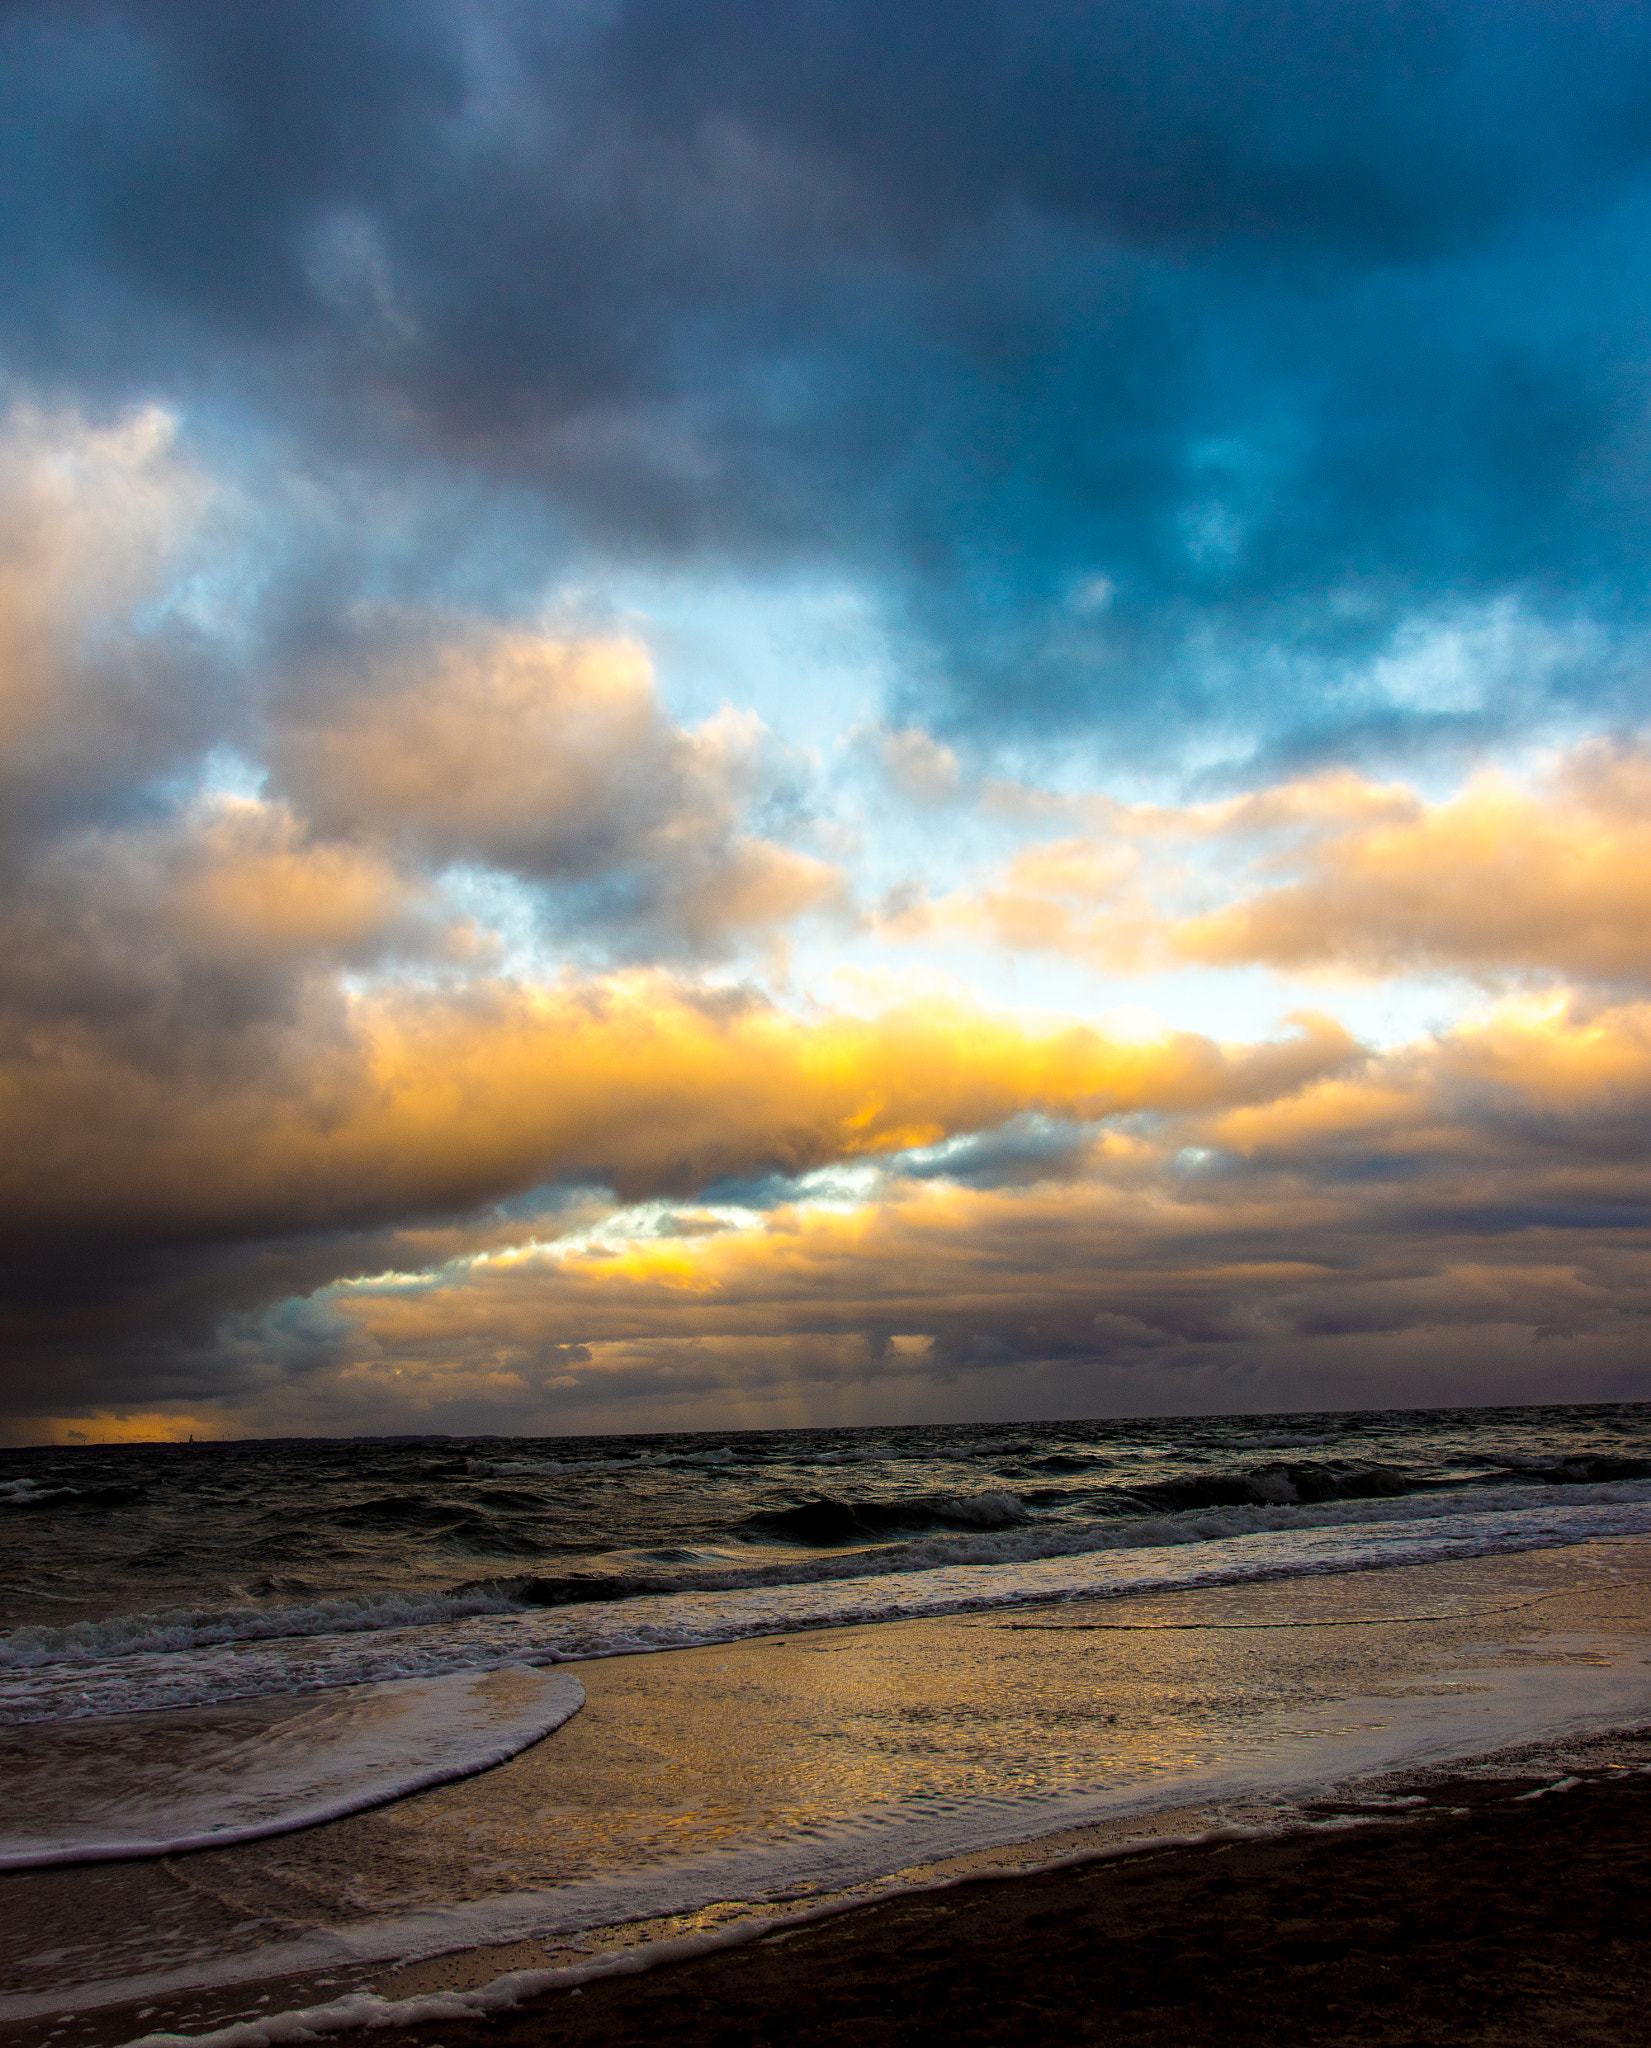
[
  {"x": 552, "y": 759},
  {"x": 1459, "y": 1219},
  {"x": 1342, "y": 875},
  {"x": 1408, "y": 1221},
  {"x": 1499, "y": 878},
  {"x": 196, "y": 1177},
  {"x": 262, "y": 1039},
  {"x": 407, "y": 1102}
]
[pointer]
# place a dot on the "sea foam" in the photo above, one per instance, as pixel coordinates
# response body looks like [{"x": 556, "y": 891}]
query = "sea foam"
[
  {"x": 88, "y": 1793},
  {"x": 1016, "y": 1543}
]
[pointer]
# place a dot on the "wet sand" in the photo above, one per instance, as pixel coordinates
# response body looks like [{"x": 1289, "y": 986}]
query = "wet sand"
[
  {"x": 1494, "y": 1918},
  {"x": 702, "y": 1790}
]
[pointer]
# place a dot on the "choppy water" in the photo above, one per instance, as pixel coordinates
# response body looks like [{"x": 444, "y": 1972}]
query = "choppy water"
[{"x": 137, "y": 1577}]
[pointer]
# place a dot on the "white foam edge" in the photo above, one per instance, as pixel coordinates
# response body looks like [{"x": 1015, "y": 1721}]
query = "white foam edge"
[
  {"x": 94, "y": 1647},
  {"x": 566, "y": 1697},
  {"x": 647, "y": 1625},
  {"x": 1492, "y": 1709},
  {"x": 366, "y": 2010}
]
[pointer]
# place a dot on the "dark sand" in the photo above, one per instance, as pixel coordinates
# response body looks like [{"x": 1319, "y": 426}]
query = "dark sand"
[{"x": 1491, "y": 1918}]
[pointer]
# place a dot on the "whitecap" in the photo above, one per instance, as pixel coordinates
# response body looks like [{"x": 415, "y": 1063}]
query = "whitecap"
[
  {"x": 1210, "y": 1548},
  {"x": 188, "y": 1628}
]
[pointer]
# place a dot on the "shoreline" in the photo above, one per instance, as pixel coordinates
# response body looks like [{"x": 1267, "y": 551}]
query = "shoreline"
[
  {"x": 979, "y": 1721},
  {"x": 1407, "y": 1897},
  {"x": 1493, "y": 1913}
]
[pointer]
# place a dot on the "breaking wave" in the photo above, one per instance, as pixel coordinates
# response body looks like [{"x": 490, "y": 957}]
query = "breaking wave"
[
  {"x": 1275, "y": 1486},
  {"x": 124, "y": 1635},
  {"x": 828, "y": 1521},
  {"x": 1341, "y": 1537},
  {"x": 1579, "y": 1471},
  {"x": 940, "y": 1547},
  {"x": 37, "y": 1493}
]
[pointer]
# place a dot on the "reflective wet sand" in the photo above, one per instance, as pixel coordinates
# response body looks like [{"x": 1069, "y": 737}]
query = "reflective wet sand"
[{"x": 822, "y": 1752}]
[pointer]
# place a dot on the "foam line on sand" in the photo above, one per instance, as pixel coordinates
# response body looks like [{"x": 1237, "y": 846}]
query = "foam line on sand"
[{"x": 242, "y": 1780}]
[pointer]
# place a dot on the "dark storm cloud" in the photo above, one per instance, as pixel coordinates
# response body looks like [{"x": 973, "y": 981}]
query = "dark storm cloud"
[{"x": 1119, "y": 345}]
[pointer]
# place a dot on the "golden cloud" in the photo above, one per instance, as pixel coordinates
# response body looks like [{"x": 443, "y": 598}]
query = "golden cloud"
[
  {"x": 1364, "y": 1224},
  {"x": 1500, "y": 877},
  {"x": 1341, "y": 875},
  {"x": 403, "y": 1101},
  {"x": 552, "y": 759}
]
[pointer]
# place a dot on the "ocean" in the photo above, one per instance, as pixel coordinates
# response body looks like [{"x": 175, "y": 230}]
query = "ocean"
[{"x": 149, "y": 1576}]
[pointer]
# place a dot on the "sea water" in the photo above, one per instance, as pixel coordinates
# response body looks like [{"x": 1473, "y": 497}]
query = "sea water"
[{"x": 141, "y": 1577}]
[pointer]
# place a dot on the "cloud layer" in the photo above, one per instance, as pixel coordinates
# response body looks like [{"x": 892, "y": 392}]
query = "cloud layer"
[
  {"x": 297, "y": 1134},
  {"x": 1149, "y": 363},
  {"x": 1399, "y": 1233},
  {"x": 1538, "y": 880},
  {"x": 547, "y": 551}
]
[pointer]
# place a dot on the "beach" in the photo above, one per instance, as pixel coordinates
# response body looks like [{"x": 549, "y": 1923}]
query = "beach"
[
  {"x": 1496, "y": 1917},
  {"x": 705, "y": 1797}
]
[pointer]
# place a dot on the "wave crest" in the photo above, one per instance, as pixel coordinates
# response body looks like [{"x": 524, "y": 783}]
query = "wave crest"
[{"x": 826, "y": 1521}]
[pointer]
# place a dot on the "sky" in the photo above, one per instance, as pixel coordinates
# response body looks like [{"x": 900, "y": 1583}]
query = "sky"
[{"x": 738, "y": 715}]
